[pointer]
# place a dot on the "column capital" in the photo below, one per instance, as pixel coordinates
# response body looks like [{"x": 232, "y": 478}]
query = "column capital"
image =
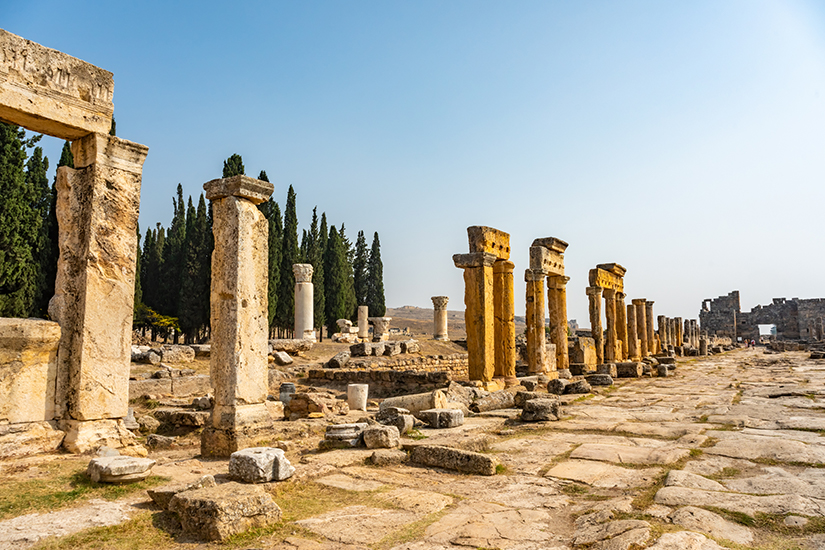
[
  {"x": 557, "y": 282},
  {"x": 639, "y": 301},
  {"x": 474, "y": 259},
  {"x": 440, "y": 302},
  {"x": 503, "y": 266},
  {"x": 593, "y": 291},
  {"x": 303, "y": 273},
  {"x": 255, "y": 191},
  {"x": 532, "y": 275},
  {"x": 609, "y": 293},
  {"x": 620, "y": 295},
  {"x": 649, "y": 303}
]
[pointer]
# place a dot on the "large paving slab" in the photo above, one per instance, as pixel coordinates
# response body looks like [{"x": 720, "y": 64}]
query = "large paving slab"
[
  {"x": 358, "y": 524},
  {"x": 623, "y": 454},
  {"x": 599, "y": 474}
]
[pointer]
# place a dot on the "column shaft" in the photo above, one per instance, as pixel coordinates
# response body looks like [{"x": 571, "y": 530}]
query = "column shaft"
[
  {"x": 505, "y": 324},
  {"x": 632, "y": 339},
  {"x": 621, "y": 326},
  {"x": 440, "y": 318},
  {"x": 536, "y": 349},
  {"x": 651, "y": 341},
  {"x": 594, "y": 295},
  {"x": 478, "y": 313},
  {"x": 557, "y": 311},
  {"x": 641, "y": 326},
  {"x": 610, "y": 316}
]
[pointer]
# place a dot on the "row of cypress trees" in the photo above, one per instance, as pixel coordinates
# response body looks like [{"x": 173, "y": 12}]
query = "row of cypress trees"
[{"x": 175, "y": 266}]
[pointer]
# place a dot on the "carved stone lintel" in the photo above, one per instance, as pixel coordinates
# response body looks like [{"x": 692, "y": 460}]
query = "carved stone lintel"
[
  {"x": 474, "y": 259},
  {"x": 255, "y": 191}
]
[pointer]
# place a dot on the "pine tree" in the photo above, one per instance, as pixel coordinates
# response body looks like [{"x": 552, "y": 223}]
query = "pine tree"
[
  {"x": 262, "y": 176},
  {"x": 359, "y": 269},
  {"x": 375, "y": 278},
  {"x": 41, "y": 197},
  {"x": 289, "y": 256},
  {"x": 233, "y": 166},
  {"x": 113, "y": 129},
  {"x": 18, "y": 266}
]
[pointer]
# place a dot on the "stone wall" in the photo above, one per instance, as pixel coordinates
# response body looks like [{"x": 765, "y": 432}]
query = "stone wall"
[{"x": 718, "y": 315}]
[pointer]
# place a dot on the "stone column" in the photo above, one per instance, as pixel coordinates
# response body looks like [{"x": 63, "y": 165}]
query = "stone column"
[
  {"x": 641, "y": 326},
  {"x": 594, "y": 295},
  {"x": 304, "y": 302},
  {"x": 662, "y": 332},
  {"x": 632, "y": 339},
  {"x": 97, "y": 212},
  {"x": 621, "y": 325},
  {"x": 820, "y": 328},
  {"x": 536, "y": 350},
  {"x": 649, "y": 319},
  {"x": 478, "y": 313},
  {"x": 363, "y": 323},
  {"x": 557, "y": 311},
  {"x": 679, "y": 332},
  {"x": 440, "y": 318},
  {"x": 504, "y": 330},
  {"x": 703, "y": 346},
  {"x": 671, "y": 326},
  {"x": 380, "y": 328},
  {"x": 610, "y": 316},
  {"x": 238, "y": 364}
]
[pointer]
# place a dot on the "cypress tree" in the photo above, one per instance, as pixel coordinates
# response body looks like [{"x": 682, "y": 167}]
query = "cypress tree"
[
  {"x": 51, "y": 258},
  {"x": 333, "y": 283},
  {"x": 359, "y": 269},
  {"x": 153, "y": 258},
  {"x": 233, "y": 166},
  {"x": 262, "y": 176},
  {"x": 375, "y": 277},
  {"x": 66, "y": 157},
  {"x": 348, "y": 290},
  {"x": 18, "y": 267},
  {"x": 172, "y": 258},
  {"x": 276, "y": 229},
  {"x": 289, "y": 256},
  {"x": 41, "y": 198},
  {"x": 113, "y": 129},
  {"x": 303, "y": 256},
  {"x": 138, "y": 283},
  {"x": 188, "y": 301}
]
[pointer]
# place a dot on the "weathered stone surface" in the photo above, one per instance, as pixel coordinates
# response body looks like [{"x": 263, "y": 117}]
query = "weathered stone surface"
[
  {"x": 684, "y": 540},
  {"x": 339, "y": 360},
  {"x": 622, "y": 454},
  {"x": 557, "y": 386},
  {"x": 522, "y": 397},
  {"x": 119, "y": 469},
  {"x": 680, "y": 478},
  {"x": 163, "y": 495},
  {"x": 53, "y": 93},
  {"x": 85, "y": 436},
  {"x": 540, "y": 410},
  {"x": 578, "y": 386},
  {"x": 418, "y": 402},
  {"x": 282, "y": 358},
  {"x": 155, "y": 442},
  {"x": 216, "y": 513},
  {"x": 771, "y": 448},
  {"x": 358, "y": 525},
  {"x": 603, "y": 475},
  {"x": 629, "y": 370},
  {"x": 260, "y": 465},
  {"x": 442, "y": 418},
  {"x": 599, "y": 379},
  {"x": 181, "y": 417},
  {"x": 410, "y": 346},
  {"x": 364, "y": 349},
  {"x": 501, "y": 399},
  {"x": 388, "y": 457},
  {"x": 177, "y": 354},
  {"x": 28, "y": 368},
  {"x": 697, "y": 519},
  {"x": 607, "y": 368},
  {"x": 454, "y": 459},
  {"x": 29, "y": 438},
  {"x": 392, "y": 349},
  {"x": 381, "y": 437},
  {"x": 747, "y": 504},
  {"x": 202, "y": 350},
  {"x": 590, "y": 534},
  {"x": 291, "y": 346}
]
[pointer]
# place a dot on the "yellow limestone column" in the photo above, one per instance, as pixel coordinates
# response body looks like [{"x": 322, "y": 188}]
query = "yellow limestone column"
[
  {"x": 594, "y": 294},
  {"x": 238, "y": 365},
  {"x": 662, "y": 332},
  {"x": 505, "y": 325},
  {"x": 557, "y": 311},
  {"x": 621, "y": 325},
  {"x": 536, "y": 348},
  {"x": 641, "y": 326},
  {"x": 651, "y": 341},
  {"x": 679, "y": 330},
  {"x": 610, "y": 316},
  {"x": 632, "y": 339},
  {"x": 478, "y": 313}
]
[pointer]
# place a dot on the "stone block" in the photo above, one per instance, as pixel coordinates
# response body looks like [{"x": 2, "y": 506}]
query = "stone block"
[
  {"x": 339, "y": 360},
  {"x": 629, "y": 369},
  {"x": 540, "y": 410},
  {"x": 163, "y": 495},
  {"x": 378, "y": 348},
  {"x": 599, "y": 379},
  {"x": 388, "y": 457},
  {"x": 119, "y": 469},
  {"x": 557, "y": 386},
  {"x": 664, "y": 360},
  {"x": 442, "y": 418},
  {"x": 490, "y": 241},
  {"x": 579, "y": 386},
  {"x": 29, "y": 438},
  {"x": 177, "y": 354},
  {"x": 182, "y": 417},
  {"x": 565, "y": 374},
  {"x": 155, "y": 441},
  {"x": 364, "y": 349},
  {"x": 202, "y": 350},
  {"x": 662, "y": 370},
  {"x": 152, "y": 386},
  {"x": 392, "y": 349},
  {"x": 381, "y": 437},
  {"x": 28, "y": 368},
  {"x": 410, "y": 346},
  {"x": 260, "y": 465},
  {"x": 282, "y": 358},
  {"x": 185, "y": 386},
  {"x": 583, "y": 350},
  {"x": 275, "y": 409},
  {"x": 607, "y": 368},
  {"x": 467, "y": 462},
  {"x": 415, "y": 403},
  {"x": 85, "y": 436},
  {"x": 293, "y": 346},
  {"x": 501, "y": 399},
  {"x": 241, "y": 186},
  {"x": 524, "y": 396},
  {"x": 403, "y": 422},
  {"x": 345, "y": 431},
  {"x": 579, "y": 369},
  {"x": 216, "y": 513}
]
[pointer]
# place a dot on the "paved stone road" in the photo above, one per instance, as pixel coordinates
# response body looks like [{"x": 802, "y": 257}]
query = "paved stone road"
[{"x": 663, "y": 463}]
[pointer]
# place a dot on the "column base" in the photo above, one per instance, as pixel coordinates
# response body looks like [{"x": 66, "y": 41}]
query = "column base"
[
  {"x": 510, "y": 381},
  {"x": 29, "y": 438},
  {"x": 442, "y": 338},
  {"x": 309, "y": 335},
  {"x": 232, "y": 428},
  {"x": 87, "y": 435}
]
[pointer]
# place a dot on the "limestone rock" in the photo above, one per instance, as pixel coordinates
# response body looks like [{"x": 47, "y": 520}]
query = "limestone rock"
[
  {"x": 387, "y": 457},
  {"x": 748, "y": 504},
  {"x": 202, "y": 350},
  {"x": 154, "y": 441},
  {"x": 557, "y": 386},
  {"x": 415, "y": 403},
  {"x": 291, "y": 346},
  {"x": 565, "y": 374},
  {"x": 684, "y": 540},
  {"x": 457, "y": 393},
  {"x": 680, "y": 478},
  {"x": 629, "y": 370},
  {"x": 599, "y": 379},
  {"x": 607, "y": 368},
  {"x": 591, "y": 534},
  {"x": 442, "y": 418},
  {"x": 148, "y": 424},
  {"x": 381, "y": 437},
  {"x": 162, "y": 495},
  {"x": 339, "y": 360},
  {"x": 410, "y": 346},
  {"x": 29, "y": 438},
  {"x": 84, "y": 436},
  {"x": 697, "y": 519},
  {"x": 501, "y": 399},
  {"x": 181, "y": 417},
  {"x": 177, "y": 354},
  {"x": 119, "y": 469},
  {"x": 216, "y": 513},
  {"x": 391, "y": 349},
  {"x": 454, "y": 459},
  {"x": 282, "y": 358},
  {"x": 260, "y": 465},
  {"x": 364, "y": 349},
  {"x": 523, "y": 397},
  {"x": 540, "y": 410},
  {"x": 579, "y": 386}
]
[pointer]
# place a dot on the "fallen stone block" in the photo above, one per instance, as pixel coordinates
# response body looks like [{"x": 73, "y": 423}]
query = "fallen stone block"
[
  {"x": 178, "y": 417},
  {"x": 599, "y": 379},
  {"x": 388, "y": 457},
  {"x": 662, "y": 370},
  {"x": 202, "y": 350},
  {"x": 282, "y": 358},
  {"x": 177, "y": 354},
  {"x": 189, "y": 385},
  {"x": 293, "y": 346},
  {"x": 119, "y": 469},
  {"x": 523, "y": 397},
  {"x": 565, "y": 374},
  {"x": 415, "y": 403},
  {"x": 339, "y": 360},
  {"x": 378, "y": 348},
  {"x": 392, "y": 349},
  {"x": 403, "y": 422},
  {"x": 163, "y": 495},
  {"x": 501, "y": 399},
  {"x": 410, "y": 346},
  {"x": 557, "y": 386},
  {"x": 345, "y": 431},
  {"x": 260, "y": 465},
  {"x": 381, "y": 437},
  {"x": 447, "y": 458},
  {"x": 442, "y": 418},
  {"x": 364, "y": 349},
  {"x": 579, "y": 369},
  {"x": 154, "y": 441},
  {"x": 152, "y": 386},
  {"x": 666, "y": 360},
  {"x": 579, "y": 386},
  {"x": 29, "y": 438},
  {"x": 540, "y": 410},
  {"x": 630, "y": 369},
  {"x": 607, "y": 368},
  {"x": 216, "y": 513}
]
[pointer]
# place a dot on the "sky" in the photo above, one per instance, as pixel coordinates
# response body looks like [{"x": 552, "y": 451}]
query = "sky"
[{"x": 682, "y": 140}]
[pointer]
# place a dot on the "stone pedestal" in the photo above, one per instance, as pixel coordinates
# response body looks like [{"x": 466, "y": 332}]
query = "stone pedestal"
[
  {"x": 703, "y": 346},
  {"x": 536, "y": 349},
  {"x": 633, "y": 350},
  {"x": 478, "y": 313},
  {"x": 610, "y": 317},
  {"x": 304, "y": 302},
  {"x": 380, "y": 328},
  {"x": 621, "y": 325},
  {"x": 557, "y": 312},
  {"x": 238, "y": 363},
  {"x": 641, "y": 326},
  {"x": 594, "y": 295},
  {"x": 440, "y": 318},
  {"x": 504, "y": 330},
  {"x": 363, "y": 323},
  {"x": 97, "y": 211},
  {"x": 651, "y": 342}
]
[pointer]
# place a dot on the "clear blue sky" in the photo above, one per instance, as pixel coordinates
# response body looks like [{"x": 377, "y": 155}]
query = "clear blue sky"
[{"x": 684, "y": 140}]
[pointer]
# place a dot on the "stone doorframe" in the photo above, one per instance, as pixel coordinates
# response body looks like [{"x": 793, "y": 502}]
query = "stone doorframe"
[{"x": 607, "y": 280}]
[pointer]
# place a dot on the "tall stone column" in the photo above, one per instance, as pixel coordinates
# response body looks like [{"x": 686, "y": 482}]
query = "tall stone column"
[
  {"x": 363, "y": 323},
  {"x": 641, "y": 326},
  {"x": 97, "y": 212},
  {"x": 621, "y": 325},
  {"x": 651, "y": 341},
  {"x": 594, "y": 295},
  {"x": 304, "y": 302},
  {"x": 662, "y": 332},
  {"x": 557, "y": 311},
  {"x": 536, "y": 349},
  {"x": 610, "y": 317},
  {"x": 679, "y": 331},
  {"x": 238, "y": 364},
  {"x": 505, "y": 324},
  {"x": 440, "y": 318},
  {"x": 671, "y": 323},
  {"x": 632, "y": 340},
  {"x": 478, "y": 313},
  {"x": 820, "y": 328}
]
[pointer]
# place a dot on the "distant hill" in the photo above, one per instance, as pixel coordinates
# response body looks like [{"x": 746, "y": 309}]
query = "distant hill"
[{"x": 419, "y": 321}]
